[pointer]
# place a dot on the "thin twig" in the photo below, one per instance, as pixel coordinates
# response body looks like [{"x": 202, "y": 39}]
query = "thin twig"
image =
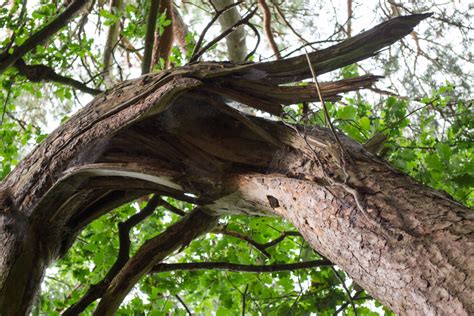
[
  {"x": 197, "y": 47},
  {"x": 243, "y": 299},
  {"x": 345, "y": 289},
  {"x": 4, "y": 109},
  {"x": 355, "y": 297},
  {"x": 282, "y": 16},
  {"x": 183, "y": 303},
  {"x": 257, "y": 35},
  {"x": 325, "y": 109}
]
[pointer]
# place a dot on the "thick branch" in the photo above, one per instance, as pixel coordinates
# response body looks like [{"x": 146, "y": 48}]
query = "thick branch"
[
  {"x": 166, "y": 267},
  {"x": 43, "y": 35},
  {"x": 177, "y": 236},
  {"x": 359, "y": 47},
  {"x": 97, "y": 290}
]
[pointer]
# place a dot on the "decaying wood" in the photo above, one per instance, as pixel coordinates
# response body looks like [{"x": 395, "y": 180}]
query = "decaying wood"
[{"x": 173, "y": 133}]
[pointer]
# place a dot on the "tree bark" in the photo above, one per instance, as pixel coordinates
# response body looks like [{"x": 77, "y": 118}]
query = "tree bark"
[{"x": 173, "y": 133}]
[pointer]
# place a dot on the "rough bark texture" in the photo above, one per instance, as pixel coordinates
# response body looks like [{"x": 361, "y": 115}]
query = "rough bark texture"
[{"x": 173, "y": 133}]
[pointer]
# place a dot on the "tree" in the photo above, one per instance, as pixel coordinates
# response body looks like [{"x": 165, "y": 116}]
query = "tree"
[{"x": 173, "y": 133}]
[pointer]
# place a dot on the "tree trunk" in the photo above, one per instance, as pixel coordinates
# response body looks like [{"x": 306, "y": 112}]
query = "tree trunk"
[{"x": 173, "y": 133}]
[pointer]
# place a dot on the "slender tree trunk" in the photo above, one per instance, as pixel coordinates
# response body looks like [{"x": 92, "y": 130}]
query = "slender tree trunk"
[{"x": 236, "y": 41}]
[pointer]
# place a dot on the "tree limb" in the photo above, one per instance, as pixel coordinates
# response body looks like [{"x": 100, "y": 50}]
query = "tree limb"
[
  {"x": 359, "y": 47},
  {"x": 97, "y": 290},
  {"x": 177, "y": 236},
  {"x": 267, "y": 27},
  {"x": 166, "y": 267},
  {"x": 38, "y": 73}
]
